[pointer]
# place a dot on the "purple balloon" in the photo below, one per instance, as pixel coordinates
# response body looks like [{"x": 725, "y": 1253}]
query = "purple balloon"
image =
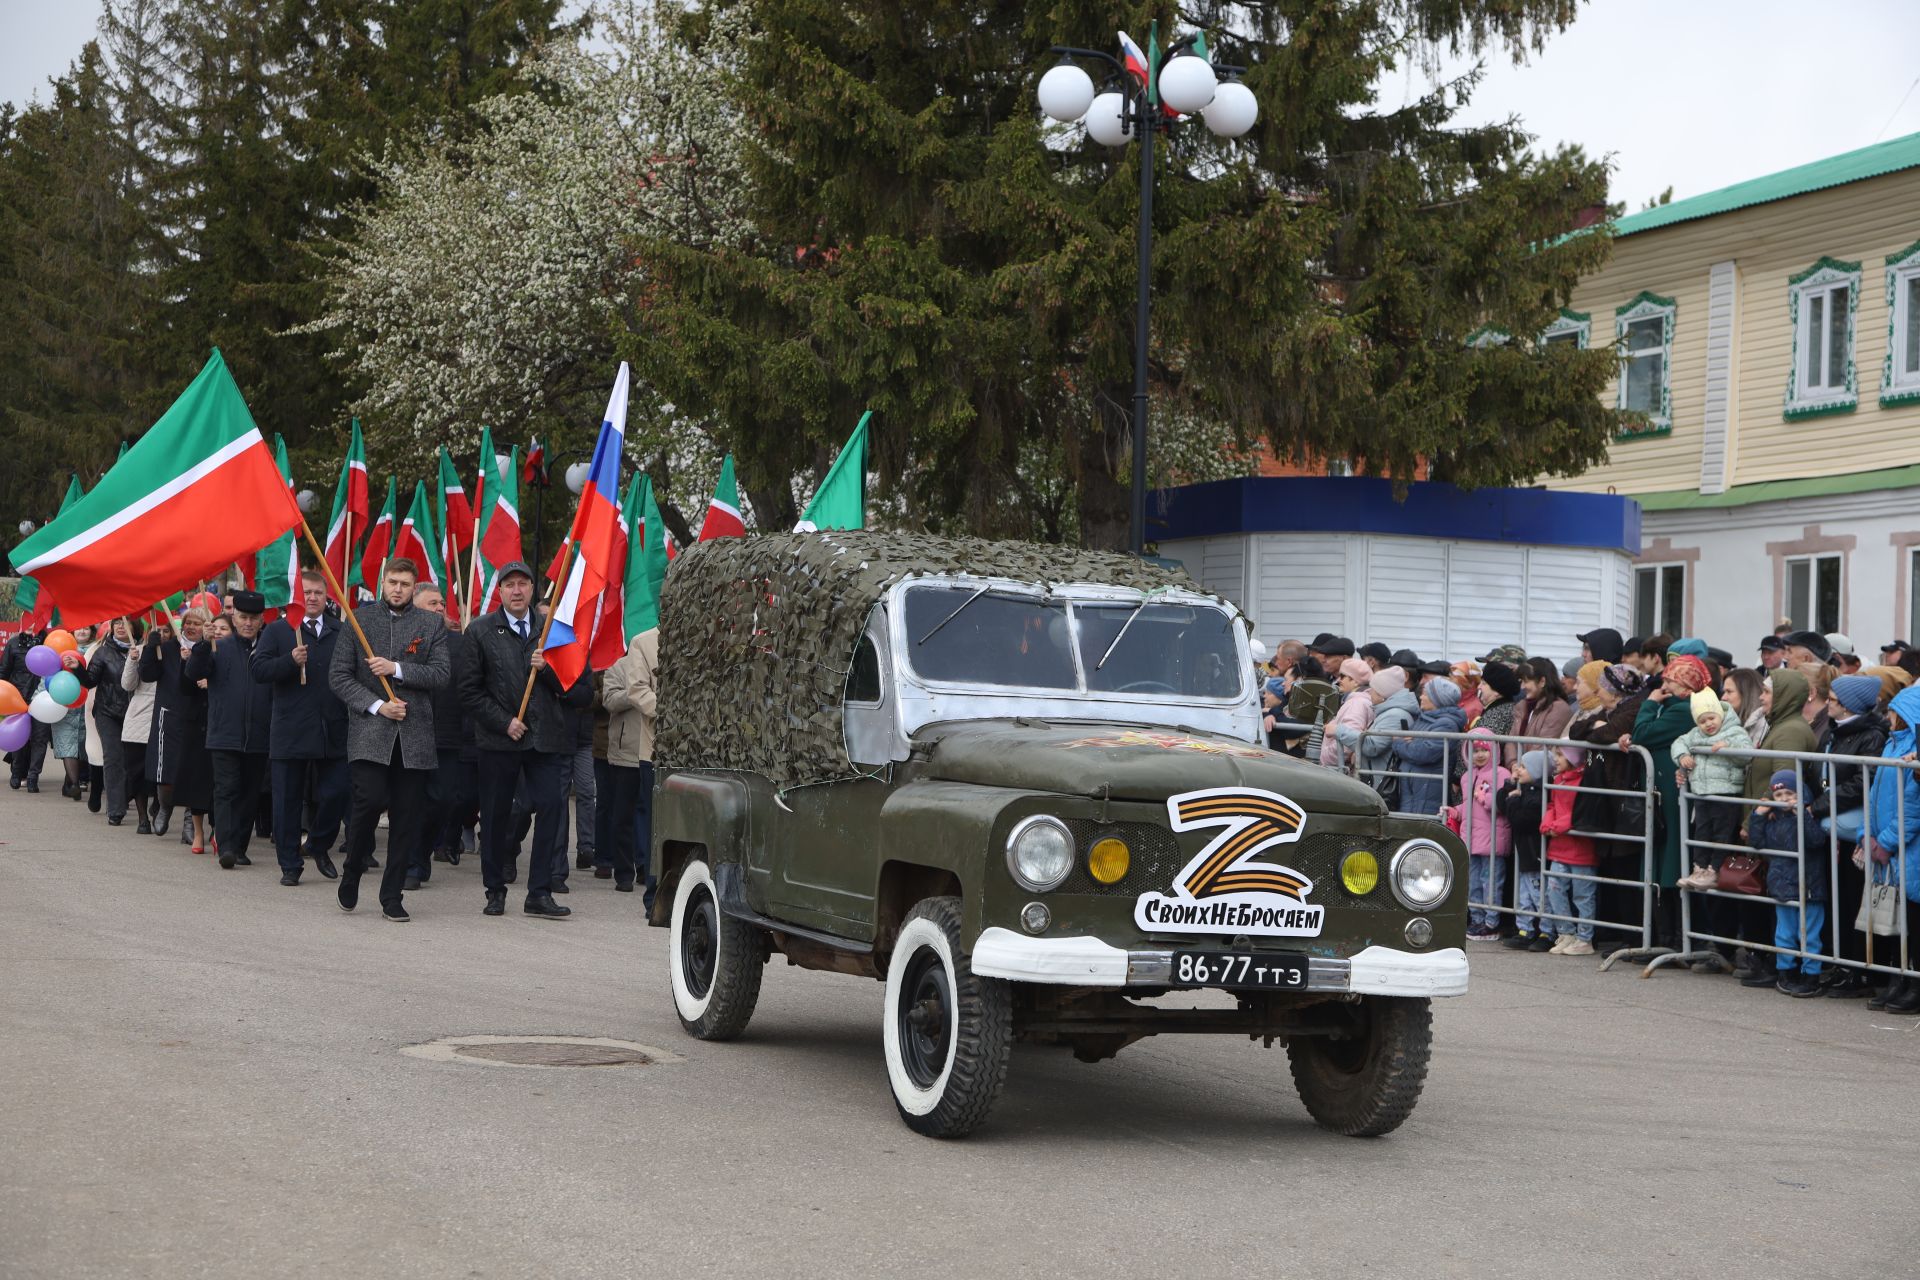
[
  {"x": 14, "y": 731},
  {"x": 42, "y": 661}
]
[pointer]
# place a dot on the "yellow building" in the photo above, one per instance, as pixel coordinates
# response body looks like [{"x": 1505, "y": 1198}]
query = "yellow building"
[{"x": 1770, "y": 335}]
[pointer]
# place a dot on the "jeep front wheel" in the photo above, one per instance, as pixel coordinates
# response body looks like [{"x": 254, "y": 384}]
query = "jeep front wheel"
[
  {"x": 948, "y": 1033},
  {"x": 715, "y": 962},
  {"x": 1365, "y": 1083}
]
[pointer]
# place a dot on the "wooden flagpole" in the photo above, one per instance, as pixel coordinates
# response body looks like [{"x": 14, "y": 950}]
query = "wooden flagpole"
[
  {"x": 352, "y": 621},
  {"x": 295, "y": 586},
  {"x": 553, "y": 598}
]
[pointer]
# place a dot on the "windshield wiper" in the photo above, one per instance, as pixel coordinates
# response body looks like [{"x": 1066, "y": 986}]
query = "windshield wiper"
[
  {"x": 950, "y": 617},
  {"x": 1123, "y": 631}
]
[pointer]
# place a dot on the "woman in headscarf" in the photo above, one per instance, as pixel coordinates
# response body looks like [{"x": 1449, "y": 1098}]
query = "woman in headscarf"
[
  {"x": 1618, "y": 692},
  {"x": 177, "y": 755},
  {"x": 1663, "y": 717},
  {"x": 1356, "y": 713}
]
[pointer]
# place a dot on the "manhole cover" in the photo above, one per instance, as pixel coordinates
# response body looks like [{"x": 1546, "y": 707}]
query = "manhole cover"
[{"x": 540, "y": 1051}]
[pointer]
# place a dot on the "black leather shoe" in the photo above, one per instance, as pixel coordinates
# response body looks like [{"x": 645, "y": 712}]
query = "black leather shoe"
[
  {"x": 411, "y": 884},
  {"x": 623, "y": 886},
  {"x": 226, "y": 860},
  {"x": 1761, "y": 978},
  {"x": 440, "y": 855},
  {"x": 496, "y": 904},
  {"x": 14, "y": 783},
  {"x": 1878, "y": 996},
  {"x": 324, "y": 865},
  {"x": 1799, "y": 986},
  {"x": 603, "y": 873},
  {"x": 560, "y": 886},
  {"x": 542, "y": 906},
  {"x": 112, "y": 821},
  {"x": 349, "y": 893},
  {"x": 289, "y": 878},
  {"x": 33, "y": 786},
  {"x": 242, "y": 860},
  {"x": 396, "y": 914},
  {"x": 1848, "y": 985},
  {"x": 161, "y": 817},
  {"x": 1907, "y": 1001},
  {"x": 373, "y": 863},
  {"x": 453, "y": 857},
  {"x": 583, "y": 862}
]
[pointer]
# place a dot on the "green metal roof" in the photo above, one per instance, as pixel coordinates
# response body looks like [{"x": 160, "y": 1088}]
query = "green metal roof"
[
  {"x": 1852, "y": 166},
  {"x": 1776, "y": 490}
]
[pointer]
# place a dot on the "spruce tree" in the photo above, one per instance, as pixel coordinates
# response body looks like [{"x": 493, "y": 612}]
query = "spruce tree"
[{"x": 929, "y": 249}]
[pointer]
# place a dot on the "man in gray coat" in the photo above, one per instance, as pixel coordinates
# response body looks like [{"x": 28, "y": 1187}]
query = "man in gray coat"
[{"x": 390, "y": 745}]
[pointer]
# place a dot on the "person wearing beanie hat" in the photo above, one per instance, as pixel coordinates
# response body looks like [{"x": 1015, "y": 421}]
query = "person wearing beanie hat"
[
  {"x": 1855, "y": 728},
  {"x": 1394, "y": 707},
  {"x": 1569, "y": 857},
  {"x": 1356, "y": 713},
  {"x": 1704, "y": 771},
  {"x": 1784, "y": 828},
  {"x": 1438, "y": 711},
  {"x": 1688, "y": 646},
  {"x": 1499, "y": 697}
]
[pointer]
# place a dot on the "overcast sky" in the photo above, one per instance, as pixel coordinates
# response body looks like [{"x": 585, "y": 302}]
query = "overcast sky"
[{"x": 1695, "y": 94}]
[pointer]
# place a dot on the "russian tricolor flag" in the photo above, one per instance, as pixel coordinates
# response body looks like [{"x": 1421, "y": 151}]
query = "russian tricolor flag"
[{"x": 597, "y": 540}]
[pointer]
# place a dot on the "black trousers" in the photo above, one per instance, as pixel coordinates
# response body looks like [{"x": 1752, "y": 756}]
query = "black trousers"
[
  {"x": 330, "y": 790},
  {"x": 113, "y": 761},
  {"x": 237, "y": 779},
  {"x": 629, "y": 799},
  {"x": 28, "y": 759},
  {"x": 450, "y": 794},
  {"x": 400, "y": 793},
  {"x": 545, "y": 777}
]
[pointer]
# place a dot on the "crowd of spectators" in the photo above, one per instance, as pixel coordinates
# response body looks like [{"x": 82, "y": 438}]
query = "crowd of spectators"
[{"x": 1783, "y": 858}]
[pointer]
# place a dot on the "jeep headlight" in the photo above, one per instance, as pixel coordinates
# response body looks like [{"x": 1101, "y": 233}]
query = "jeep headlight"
[
  {"x": 1040, "y": 852},
  {"x": 1421, "y": 874}
]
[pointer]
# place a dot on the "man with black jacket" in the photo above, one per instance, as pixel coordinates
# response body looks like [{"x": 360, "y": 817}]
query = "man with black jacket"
[
  {"x": 450, "y": 789},
  {"x": 239, "y": 721},
  {"x": 504, "y": 646},
  {"x": 13, "y": 669},
  {"x": 308, "y": 740}
]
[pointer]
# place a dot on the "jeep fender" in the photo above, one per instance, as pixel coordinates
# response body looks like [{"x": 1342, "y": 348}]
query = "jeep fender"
[
  {"x": 943, "y": 827},
  {"x": 696, "y": 809}
]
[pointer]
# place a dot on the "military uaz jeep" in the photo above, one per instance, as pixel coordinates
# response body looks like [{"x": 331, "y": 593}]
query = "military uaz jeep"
[{"x": 1020, "y": 785}]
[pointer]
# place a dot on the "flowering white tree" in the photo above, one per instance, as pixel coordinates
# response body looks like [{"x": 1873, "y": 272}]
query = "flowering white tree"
[{"x": 482, "y": 285}]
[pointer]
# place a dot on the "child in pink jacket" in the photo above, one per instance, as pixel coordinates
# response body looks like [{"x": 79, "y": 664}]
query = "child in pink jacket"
[{"x": 1489, "y": 841}]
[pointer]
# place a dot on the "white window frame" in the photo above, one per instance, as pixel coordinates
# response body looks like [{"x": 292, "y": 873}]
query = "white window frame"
[
  {"x": 1823, "y": 279},
  {"x": 1812, "y": 561},
  {"x": 1656, "y": 625},
  {"x": 1899, "y": 385},
  {"x": 1647, "y": 306},
  {"x": 1575, "y": 324}
]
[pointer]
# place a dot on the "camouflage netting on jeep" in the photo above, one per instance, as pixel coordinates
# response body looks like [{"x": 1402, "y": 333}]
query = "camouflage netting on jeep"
[{"x": 756, "y": 635}]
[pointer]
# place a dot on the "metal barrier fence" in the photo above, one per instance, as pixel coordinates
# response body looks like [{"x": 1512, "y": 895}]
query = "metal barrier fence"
[
  {"x": 1886, "y": 946},
  {"x": 1806, "y": 934},
  {"x": 1579, "y": 885}
]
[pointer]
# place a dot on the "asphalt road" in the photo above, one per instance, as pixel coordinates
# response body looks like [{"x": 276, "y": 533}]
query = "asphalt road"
[{"x": 200, "y": 1075}]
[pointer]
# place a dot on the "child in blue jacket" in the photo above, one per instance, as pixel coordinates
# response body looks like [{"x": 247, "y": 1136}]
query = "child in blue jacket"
[{"x": 1785, "y": 830}]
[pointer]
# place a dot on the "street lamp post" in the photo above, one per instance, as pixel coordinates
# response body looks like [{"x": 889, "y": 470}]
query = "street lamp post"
[{"x": 1183, "y": 82}]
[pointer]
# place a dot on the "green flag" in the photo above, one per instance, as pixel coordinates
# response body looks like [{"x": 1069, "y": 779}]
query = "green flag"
[
  {"x": 646, "y": 557},
  {"x": 841, "y": 500},
  {"x": 277, "y": 570}
]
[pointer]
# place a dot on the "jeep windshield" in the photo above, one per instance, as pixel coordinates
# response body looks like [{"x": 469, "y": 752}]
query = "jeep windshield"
[{"x": 962, "y": 634}]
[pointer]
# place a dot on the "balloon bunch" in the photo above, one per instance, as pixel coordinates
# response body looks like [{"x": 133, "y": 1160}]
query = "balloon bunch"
[{"x": 54, "y": 661}]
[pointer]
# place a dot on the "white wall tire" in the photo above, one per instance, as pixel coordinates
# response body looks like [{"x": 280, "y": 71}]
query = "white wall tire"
[
  {"x": 947, "y": 1033},
  {"x": 713, "y": 962}
]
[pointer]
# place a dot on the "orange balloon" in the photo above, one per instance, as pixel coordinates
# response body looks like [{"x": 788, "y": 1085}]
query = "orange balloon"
[
  {"x": 11, "y": 703},
  {"x": 61, "y": 641}
]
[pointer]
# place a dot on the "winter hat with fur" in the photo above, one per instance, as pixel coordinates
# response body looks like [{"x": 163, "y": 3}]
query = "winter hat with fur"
[{"x": 1705, "y": 702}]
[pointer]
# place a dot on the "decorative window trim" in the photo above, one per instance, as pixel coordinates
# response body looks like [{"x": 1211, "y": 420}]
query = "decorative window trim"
[
  {"x": 1825, "y": 272},
  {"x": 1895, "y": 388},
  {"x": 1646, "y": 305},
  {"x": 1577, "y": 323},
  {"x": 1489, "y": 335}
]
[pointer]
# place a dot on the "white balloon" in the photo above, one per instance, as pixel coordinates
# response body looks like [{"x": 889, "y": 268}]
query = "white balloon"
[
  {"x": 1104, "y": 124},
  {"x": 1232, "y": 111},
  {"x": 1187, "y": 84},
  {"x": 44, "y": 709},
  {"x": 1065, "y": 93}
]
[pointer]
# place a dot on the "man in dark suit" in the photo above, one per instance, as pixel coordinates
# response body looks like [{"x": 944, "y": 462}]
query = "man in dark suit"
[
  {"x": 309, "y": 733},
  {"x": 450, "y": 788},
  {"x": 390, "y": 749},
  {"x": 239, "y": 714},
  {"x": 503, "y": 647}
]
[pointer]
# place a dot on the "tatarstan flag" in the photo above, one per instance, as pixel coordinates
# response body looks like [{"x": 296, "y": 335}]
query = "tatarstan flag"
[
  {"x": 198, "y": 490},
  {"x": 277, "y": 567},
  {"x": 417, "y": 540},
  {"x": 723, "y": 510},
  {"x": 458, "y": 525},
  {"x": 500, "y": 528},
  {"x": 646, "y": 561},
  {"x": 349, "y": 519},
  {"x": 373, "y": 560}
]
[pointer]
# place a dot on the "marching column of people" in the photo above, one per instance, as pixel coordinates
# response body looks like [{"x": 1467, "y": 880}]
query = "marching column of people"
[{"x": 293, "y": 731}]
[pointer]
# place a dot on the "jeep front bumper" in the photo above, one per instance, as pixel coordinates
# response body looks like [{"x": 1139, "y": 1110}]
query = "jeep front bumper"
[{"x": 1089, "y": 962}]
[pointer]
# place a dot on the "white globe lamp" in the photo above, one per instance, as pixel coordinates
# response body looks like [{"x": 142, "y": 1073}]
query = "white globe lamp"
[
  {"x": 577, "y": 475},
  {"x": 1104, "y": 123},
  {"x": 1187, "y": 84},
  {"x": 1232, "y": 111},
  {"x": 1066, "y": 92}
]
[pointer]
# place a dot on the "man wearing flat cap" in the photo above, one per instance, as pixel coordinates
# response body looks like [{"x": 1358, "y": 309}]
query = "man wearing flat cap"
[
  {"x": 1773, "y": 653},
  {"x": 531, "y": 749},
  {"x": 239, "y": 722}
]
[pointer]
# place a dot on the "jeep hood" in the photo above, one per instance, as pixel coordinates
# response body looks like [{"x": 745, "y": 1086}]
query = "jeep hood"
[{"x": 1137, "y": 762}]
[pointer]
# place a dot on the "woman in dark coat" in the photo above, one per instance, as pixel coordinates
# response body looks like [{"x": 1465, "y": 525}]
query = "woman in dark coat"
[
  {"x": 1618, "y": 692},
  {"x": 177, "y": 758},
  {"x": 1662, "y": 718}
]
